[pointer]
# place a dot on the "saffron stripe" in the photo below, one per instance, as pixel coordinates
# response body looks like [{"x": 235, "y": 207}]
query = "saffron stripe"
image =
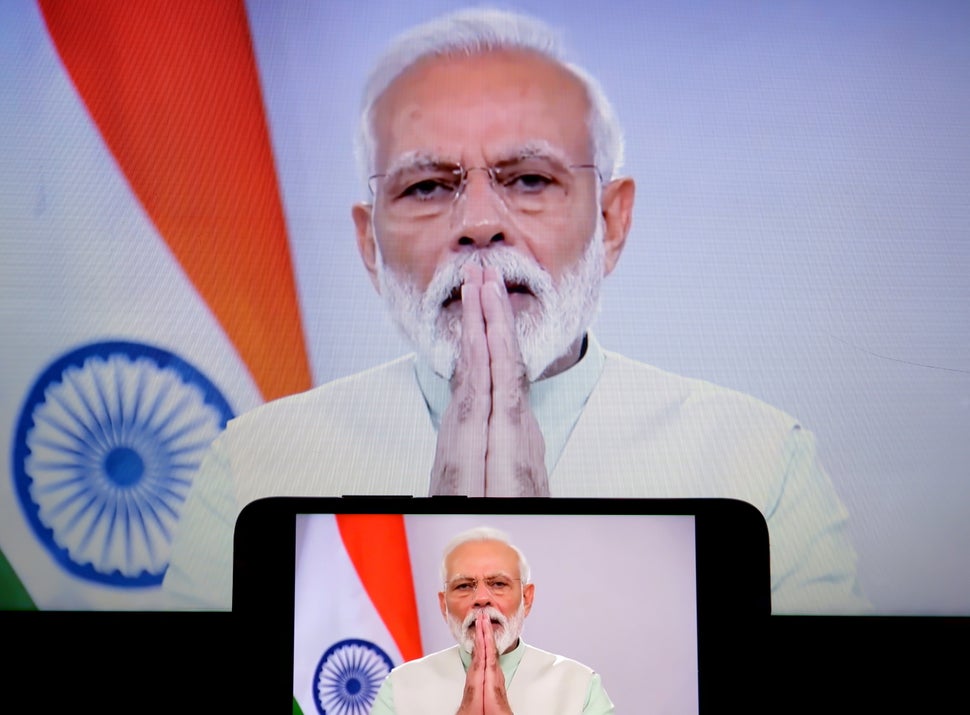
[
  {"x": 172, "y": 86},
  {"x": 377, "y": 546}
]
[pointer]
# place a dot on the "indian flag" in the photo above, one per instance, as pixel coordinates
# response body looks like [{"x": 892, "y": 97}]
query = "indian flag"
[
  {"x": 146, "y": 284},
  {"x": 355, "y": 614}
]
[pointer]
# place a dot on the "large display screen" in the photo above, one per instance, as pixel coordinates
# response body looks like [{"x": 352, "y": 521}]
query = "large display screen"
[{"x": 801, "y": 234}]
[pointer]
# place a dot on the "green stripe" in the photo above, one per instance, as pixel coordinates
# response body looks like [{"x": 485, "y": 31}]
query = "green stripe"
[
  {"x": 296, "y": 708},
  {"x": 13, "y": 595}
]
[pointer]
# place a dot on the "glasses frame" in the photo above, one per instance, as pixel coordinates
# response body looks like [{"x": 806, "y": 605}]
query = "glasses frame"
[
  {"x": 475, "y": 583},
  {"x": 462, "y": 174}
]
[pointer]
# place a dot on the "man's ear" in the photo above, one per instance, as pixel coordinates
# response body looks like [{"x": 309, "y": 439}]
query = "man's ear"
[
  {"x": 528, "y": 593},
  {"x": 442, "y": 605},
  {"x": 363, "y": 215},
  {"x": 617, "y": 206}
]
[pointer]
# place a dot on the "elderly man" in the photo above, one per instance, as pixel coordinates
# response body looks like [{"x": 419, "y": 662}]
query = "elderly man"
[
  {"x": 495, "y": 210},
  {"x": 487, "y": 594}
]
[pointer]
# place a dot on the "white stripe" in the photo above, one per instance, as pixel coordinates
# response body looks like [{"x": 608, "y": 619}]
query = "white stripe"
[
  {"x": 330, "y": 604},
  {"x": 81, "y": 263}
]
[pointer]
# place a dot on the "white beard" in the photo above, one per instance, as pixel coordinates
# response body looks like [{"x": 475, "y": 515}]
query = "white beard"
[
  {"x": 565, "y": 310},
  {"x": 505, "y": 636}
]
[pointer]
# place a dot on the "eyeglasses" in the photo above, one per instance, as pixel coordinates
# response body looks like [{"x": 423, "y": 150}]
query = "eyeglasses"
[
  {"x": 465, "y": 587},
  {"x": 530, "y": 185}
]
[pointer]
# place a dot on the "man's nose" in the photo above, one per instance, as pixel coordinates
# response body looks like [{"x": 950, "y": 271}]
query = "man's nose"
[
  {"x": 480, "y": 216},
  {"x": 483, "y": 597}
]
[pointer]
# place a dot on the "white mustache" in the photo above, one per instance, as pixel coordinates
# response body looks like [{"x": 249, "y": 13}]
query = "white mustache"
[
  {"x": 561, "y": 311},
  {"x": 516, "y": 271},
  {"x": 493, "y": 614}
]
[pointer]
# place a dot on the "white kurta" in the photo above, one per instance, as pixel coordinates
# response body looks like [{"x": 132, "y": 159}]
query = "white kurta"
[
  {"x": 642, "y": 433},
  {"x": 540, "y": 683}
]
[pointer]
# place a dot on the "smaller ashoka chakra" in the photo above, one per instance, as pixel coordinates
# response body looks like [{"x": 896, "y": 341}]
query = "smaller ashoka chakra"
[
  {"x": 348, "y": 677},
  {"x": 107, "y": 445}
]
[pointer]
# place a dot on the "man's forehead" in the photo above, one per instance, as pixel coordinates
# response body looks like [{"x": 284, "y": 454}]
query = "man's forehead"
[
  {"x": 500, "y": 65},
  {"x": 483, "y": 558},
  {"x": 460, "y": 108}
]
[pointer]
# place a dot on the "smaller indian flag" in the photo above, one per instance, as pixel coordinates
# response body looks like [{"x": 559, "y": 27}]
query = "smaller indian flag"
[{"x": 355, "y": 613}]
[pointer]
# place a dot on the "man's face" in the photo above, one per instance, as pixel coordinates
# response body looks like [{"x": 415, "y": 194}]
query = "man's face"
[
  {"x": 471, "y": 569},
  {"x": 486, "y": 110}
]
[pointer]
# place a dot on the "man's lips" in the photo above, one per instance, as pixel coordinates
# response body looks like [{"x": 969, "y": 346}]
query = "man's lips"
[{"x": 510, "y": 287}]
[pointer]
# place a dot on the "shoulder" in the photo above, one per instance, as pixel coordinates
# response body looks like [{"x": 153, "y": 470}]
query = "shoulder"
[
  {"x": 442, "y": 661},
  {"x": 652, "y": 389},
  {"x": 665, "y": 435},
  {"x": 448, "y": 653},
  {"x": 353, "y": 403},
  {"x": 370, "y": 384},
  {"x": 543, "y": 659},
  {"x": 321, "y": 442}
]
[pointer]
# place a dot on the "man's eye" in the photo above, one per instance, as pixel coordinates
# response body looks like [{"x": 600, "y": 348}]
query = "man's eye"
[
  {"x": 464, "y": 586},
  {"x": 429, "y": 189},
  {"x": 498, "y": 585},
  {"x": 528, "y": 183}
]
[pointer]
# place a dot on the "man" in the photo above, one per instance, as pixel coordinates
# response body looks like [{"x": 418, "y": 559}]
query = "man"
[
  {"x": 495, "y": 210},
  {"x": 486, "y": 595}
]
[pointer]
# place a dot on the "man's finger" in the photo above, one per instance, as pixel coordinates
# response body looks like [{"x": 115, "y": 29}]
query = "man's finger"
[
  {"x": 508, "y": 368},
  {"x": 473, "y": 696},
  {"x": 481, "y": 641},
  {"x": 488, "y": 634},
  {"x": 459, "y": 465},
  {"x": 515, "y": 456},
  {"x": 495, "y": 697}
]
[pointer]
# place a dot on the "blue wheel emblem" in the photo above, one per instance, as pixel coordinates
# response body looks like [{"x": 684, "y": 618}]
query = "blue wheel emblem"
[
  {"x": 107, "y": 446},
  {"x": 348, "y": 677}
]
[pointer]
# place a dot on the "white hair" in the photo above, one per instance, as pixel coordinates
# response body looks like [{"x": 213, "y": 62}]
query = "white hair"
[
  {"x": 474, "y": 31},
  {"x": 484, "y": 533}
]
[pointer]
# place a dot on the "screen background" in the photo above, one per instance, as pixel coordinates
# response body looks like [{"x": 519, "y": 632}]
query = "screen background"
[
  {"x": 617, "y": 593},
  {"x": 801, "y": 234}
]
